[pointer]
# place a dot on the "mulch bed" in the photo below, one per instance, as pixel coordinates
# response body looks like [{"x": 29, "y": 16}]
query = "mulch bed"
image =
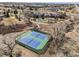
[{"x": 12, "y": 28}]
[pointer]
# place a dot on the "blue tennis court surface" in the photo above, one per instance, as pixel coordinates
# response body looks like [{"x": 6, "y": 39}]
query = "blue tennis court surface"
[
  {"x": 34, "y": 40},
  {"x": 34, "y": 44},
  {"x": 25, "y": 40},
  {"x": 42, "y": 36}
]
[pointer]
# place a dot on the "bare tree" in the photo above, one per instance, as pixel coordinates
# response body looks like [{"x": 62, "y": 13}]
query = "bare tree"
[
  {"x": 58, "y": 31},
  {"x": 10, "y": 46}
]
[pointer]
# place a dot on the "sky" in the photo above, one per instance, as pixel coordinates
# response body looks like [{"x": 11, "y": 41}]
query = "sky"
[{"x": 68, "y": 1}]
